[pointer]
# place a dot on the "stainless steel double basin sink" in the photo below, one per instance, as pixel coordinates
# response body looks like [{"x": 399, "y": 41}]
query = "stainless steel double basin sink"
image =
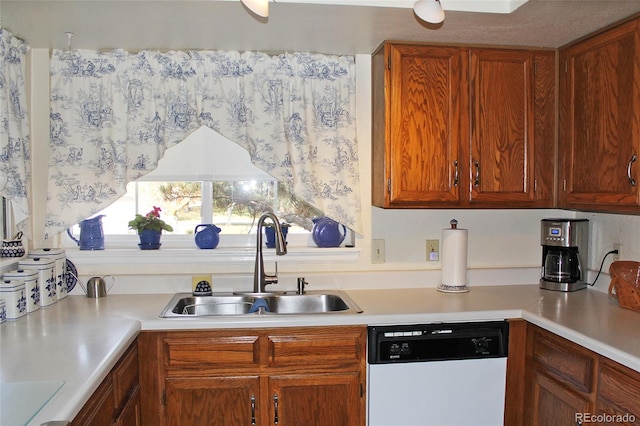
[{"x": 186, "y": 305}]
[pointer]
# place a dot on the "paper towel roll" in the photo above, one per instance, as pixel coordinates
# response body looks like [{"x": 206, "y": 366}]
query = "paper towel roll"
[{"x": 454, "y": 257}]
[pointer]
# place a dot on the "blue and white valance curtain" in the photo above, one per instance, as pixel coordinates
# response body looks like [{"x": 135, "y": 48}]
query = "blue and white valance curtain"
[
  {"x": 15, "y": 151},
  {"x": 114, "y": 114}
]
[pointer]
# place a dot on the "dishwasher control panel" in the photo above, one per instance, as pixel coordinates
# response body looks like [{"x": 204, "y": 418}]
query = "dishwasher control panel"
[{"x": 437, "y": 342}]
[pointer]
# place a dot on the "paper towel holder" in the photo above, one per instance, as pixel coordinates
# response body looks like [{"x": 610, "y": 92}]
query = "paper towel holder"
[{"x": 454, "y": 245}]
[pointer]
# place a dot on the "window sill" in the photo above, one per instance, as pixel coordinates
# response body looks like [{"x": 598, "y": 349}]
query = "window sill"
[{"x": 176, "y": 259}]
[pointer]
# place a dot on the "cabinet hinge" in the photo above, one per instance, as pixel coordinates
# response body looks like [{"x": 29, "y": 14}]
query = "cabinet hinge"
[
  {"x": 535, "y": 185},
  {"x": 164, "y": 397},
  {"x": 389, "y": 62},
  {"x": 566, "y": 66},
  {"x": 564, "y": 185},
  {"x": 389, "y": 185},
  {"x": 361, "y": 390},
  {"x": 535, "y": 68}
]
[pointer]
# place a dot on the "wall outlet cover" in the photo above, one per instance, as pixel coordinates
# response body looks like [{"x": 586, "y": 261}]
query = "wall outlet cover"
[
  {"x": 433, "y": 250},
  {"x": 201, "y": 284}
]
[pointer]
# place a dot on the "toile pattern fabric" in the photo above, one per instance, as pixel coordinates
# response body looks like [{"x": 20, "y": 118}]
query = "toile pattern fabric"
[
  {"x": 113, "y": 115},
  {"x": 15, "y": 151}
]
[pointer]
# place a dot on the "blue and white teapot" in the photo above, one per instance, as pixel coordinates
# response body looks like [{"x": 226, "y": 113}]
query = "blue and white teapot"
[{"x": 327, "y": 232}]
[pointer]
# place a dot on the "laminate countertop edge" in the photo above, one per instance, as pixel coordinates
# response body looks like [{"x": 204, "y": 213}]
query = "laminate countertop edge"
[{"x": 79, "y": 340}]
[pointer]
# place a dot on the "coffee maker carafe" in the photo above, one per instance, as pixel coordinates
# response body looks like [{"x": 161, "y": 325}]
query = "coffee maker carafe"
[{"x": 564, "y": 252}]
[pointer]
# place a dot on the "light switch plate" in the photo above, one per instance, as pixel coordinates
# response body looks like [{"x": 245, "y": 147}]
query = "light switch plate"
[{"x": 377, "y": 251}]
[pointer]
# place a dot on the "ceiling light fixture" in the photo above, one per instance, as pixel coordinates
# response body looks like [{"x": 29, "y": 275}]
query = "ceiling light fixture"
[
  {"x": 429, "y": 11},
  {"x": 259, "y": 7}
]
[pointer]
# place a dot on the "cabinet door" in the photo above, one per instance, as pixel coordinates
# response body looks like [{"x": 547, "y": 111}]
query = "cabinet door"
[
  {"x": 503, "y": 126},
  {"x": 425, "y": 102},
  {"x": 212, "y": 400},
  {"x": 316, "y": 399},
  {"x": 131, "y": 413},
  {"x": 549, "y": 403},
  {"x": 600, "y": 124},
  {"x": 99, "y": 410},
  {"x": 618, "y": 392}
]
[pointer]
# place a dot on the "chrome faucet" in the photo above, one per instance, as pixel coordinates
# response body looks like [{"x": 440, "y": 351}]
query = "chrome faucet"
[{"x": 260, "y": 278}]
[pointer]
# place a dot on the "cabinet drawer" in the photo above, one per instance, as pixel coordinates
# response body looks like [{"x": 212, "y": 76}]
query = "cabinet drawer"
[
  {"x": 562, "y": 359},
  {"x": 125, "y": 375},
  {"x": 618, "y": 389},
  {"x": 339, "y": 347},
  {"x": 199, "y": 351}
]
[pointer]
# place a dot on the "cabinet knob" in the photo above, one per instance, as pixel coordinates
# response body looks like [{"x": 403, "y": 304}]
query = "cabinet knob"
[{"x": 633, "y": 160}]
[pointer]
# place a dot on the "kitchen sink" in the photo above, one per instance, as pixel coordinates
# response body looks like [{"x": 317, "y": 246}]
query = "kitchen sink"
[{"x": 186, "y": 305}]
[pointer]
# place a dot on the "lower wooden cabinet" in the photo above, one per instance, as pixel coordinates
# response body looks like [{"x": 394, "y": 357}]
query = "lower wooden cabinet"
[
  {"x": 284, "y": 376},
  {"x": 551, "y": 403},
  {"x": 117, "y": 399},
  {"x": 567, "y": 384},
  {"x": 618, "y": 393}
]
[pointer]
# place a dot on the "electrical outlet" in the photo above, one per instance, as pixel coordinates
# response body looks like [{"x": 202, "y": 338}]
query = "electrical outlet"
[
  {"x": 377, "y": 251},
  {"x": 616, "y": 257},
  {"x": 433, "y": 250}
]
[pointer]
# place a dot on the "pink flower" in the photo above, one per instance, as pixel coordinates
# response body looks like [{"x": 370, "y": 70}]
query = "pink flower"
[{"x": 155, "y": 212}]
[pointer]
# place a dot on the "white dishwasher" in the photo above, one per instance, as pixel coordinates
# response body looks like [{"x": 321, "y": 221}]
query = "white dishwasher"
[{"x": 450, "y": 374}]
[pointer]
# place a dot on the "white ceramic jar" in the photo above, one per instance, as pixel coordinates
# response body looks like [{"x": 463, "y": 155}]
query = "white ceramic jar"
[
  {"x": 46, "y": 277},
  {"x": 31, "y": 286},
  {"x": 60, "y": 269},
  {"x": 13, "y": 293}
]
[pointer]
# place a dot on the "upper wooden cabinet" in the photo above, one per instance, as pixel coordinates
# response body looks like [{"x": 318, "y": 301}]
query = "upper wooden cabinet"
[
  {"x": 512, "y": 127},
  {"x": 599, "y": 122},
  {"x": 419, "y": 99},
  {"x": 463, "y": 127}
]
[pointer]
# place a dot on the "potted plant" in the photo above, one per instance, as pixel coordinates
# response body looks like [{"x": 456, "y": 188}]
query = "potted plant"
[{"x": 149, "y": 228}]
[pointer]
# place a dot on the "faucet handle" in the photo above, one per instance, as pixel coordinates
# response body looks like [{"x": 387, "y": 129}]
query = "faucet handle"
[{"x": 302, "y": 283}]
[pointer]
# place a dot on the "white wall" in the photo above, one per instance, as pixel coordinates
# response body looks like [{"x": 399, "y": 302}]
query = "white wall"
[{"x": 498, "y": 239}]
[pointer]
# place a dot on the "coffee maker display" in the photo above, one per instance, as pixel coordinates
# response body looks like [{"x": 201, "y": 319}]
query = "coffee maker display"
[{"x": 565, "y": 250}]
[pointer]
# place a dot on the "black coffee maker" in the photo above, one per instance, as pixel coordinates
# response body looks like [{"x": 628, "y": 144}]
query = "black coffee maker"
[{"x": 565, "y": 250}]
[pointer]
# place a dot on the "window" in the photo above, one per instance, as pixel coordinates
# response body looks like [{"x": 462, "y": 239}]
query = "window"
[
  {"x": 208, "y": 179},
  {"x": 234, "y": 206}
]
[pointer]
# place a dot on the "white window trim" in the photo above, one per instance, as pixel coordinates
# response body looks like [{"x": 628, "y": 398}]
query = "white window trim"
[{"x": 234, "y": 253}]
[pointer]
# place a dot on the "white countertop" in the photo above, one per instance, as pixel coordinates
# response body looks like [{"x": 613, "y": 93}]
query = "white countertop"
[{"x": 78, "y": 340}]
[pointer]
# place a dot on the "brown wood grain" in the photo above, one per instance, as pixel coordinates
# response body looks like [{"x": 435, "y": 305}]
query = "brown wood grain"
[
  {"x": 439, "y": 110},
  {"x": 209, "y": 376},
  {"x": 600, "y": 125}
]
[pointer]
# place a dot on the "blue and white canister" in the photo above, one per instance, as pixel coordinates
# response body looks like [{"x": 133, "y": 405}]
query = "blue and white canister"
[
  {"x": 31, "y": 286},
  {"x": 13, "y": 293},
  {"x": 3, "y": 311},
  {"x": 60, "y": 269},
  {"x": 46, "y": 278}
]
